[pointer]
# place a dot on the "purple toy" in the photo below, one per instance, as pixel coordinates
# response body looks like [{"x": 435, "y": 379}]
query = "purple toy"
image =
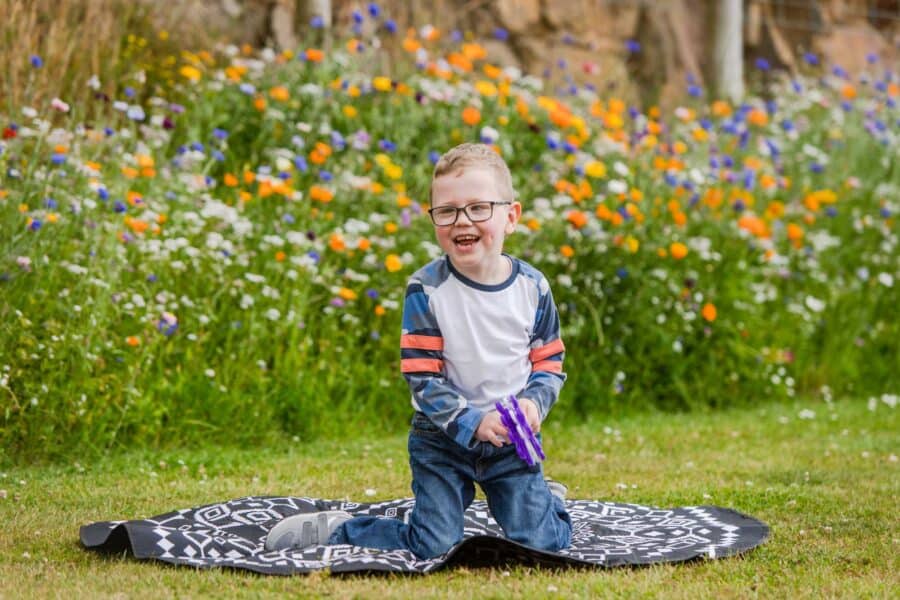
[{"x": 527, "y": 445}]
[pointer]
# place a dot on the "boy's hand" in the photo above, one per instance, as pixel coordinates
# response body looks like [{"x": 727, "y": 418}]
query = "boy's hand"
[
  {"x": 491, "y": 430},
  {"x": 532, "y": 414}
]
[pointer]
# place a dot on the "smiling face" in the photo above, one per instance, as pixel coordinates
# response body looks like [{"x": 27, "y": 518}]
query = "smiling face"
[{"x": 475, "y": 249}]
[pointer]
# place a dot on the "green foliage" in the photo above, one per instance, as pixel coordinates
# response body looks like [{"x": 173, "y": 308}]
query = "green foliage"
[{"x": 231, "y": 267}]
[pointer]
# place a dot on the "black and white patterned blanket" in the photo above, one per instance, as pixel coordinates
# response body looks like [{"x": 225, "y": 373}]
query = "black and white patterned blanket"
[{"x": 605, "y": 534}]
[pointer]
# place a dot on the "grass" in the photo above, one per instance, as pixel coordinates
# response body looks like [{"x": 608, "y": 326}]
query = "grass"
[{"x": 827, "y": 486}]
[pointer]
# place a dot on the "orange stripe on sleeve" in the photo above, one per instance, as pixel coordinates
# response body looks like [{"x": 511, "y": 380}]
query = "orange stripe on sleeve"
[
  {"x": 539, "y": 354},
  {"x": 422, "y": 342},
  {"x": 552, "y": 366},
  {"x": 421, "y": 365}
]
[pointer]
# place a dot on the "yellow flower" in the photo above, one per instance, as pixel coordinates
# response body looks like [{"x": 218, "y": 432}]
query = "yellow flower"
[
  {"x": 595, "y": 169},
  {"x": 382, "y": 84},
  {"x": 190, "y": 72},
  {"x": 349, "y": 111},
  {"x": 678, "y": 250},
  {"x": 393, "y": 171},
  {"x": 709, "y": 312},
  {"x": 393, "y": 263},
  {"x": 347, "y": 294},
  {"x": 486, "y": 88}
]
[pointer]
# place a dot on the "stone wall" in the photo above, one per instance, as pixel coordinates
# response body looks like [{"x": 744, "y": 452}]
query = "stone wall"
[{"x": 590, "y": 36}]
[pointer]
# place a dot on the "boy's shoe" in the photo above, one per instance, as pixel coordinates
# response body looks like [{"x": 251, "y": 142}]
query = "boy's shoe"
[
  {"x": 557, "y": 489},
  {"x": 307, "y": 529}
]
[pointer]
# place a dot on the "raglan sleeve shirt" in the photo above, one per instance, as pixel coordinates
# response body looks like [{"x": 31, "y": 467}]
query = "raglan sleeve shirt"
[{"x": 422, "y": 364}]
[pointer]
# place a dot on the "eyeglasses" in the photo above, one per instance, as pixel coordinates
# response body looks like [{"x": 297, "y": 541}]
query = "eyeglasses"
[{"x": 476, "y": 212}]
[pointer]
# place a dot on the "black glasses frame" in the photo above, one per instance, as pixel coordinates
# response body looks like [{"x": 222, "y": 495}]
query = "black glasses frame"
[{"x": 460, "y": 209}]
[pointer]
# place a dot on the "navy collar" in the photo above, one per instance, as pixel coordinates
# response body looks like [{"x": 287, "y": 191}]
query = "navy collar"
[{"x": 484, "y": 287}]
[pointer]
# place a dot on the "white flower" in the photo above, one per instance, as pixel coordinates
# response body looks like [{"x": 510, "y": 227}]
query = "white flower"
[
  {"x": 273, "y": 314},
  {"x": 59, "y": 105},
  {"x": 246, "y": 301},
  {"x": 814, "y": 304},
  {"x": 807, "y": 414},
  {"x": 886, "y": 279},
  {"x": 616, "y": 186},
  {"x": 209, "y": 373}
]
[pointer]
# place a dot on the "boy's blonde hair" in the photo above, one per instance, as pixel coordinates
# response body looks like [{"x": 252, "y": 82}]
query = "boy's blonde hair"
[{"x": 468, "y": 156}]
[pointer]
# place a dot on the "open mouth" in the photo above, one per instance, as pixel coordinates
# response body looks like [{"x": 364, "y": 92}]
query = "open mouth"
[{"x": 465, "y": 241}]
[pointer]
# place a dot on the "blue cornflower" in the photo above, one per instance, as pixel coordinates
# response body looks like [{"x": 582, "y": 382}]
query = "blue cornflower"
[
  {"x": 771, "y": 107},
  {"x": 501, "y": 34},
  {"x": 34, "y": 225},
  {"x": 787, "y": 125},
  {"x": 695, "y": 91},
  {"x": 283, "y": 175},
  {"x": 197, "y": 146},
  {"x": 248, "y": 88},
  {"x": 713, "y": 162},
  {"x": 219, "y": 134},
  {"x": 108, "y": 131},
  {"x": 847, "y": 105},
  {"x": 314, "y": 255},
  {"x": 151, "y": 278},
  {"x": 738, "y": 206},
  {"x": 552, "y": 143},
  {"x": 797, "y": 86},
  {"x": 317, "y": 22},
  {"x": 103, "y": 193},
  {"x": 217, "y": 154},
  {"x": 632, "y": 46},
  {"x": 885, "y": 212},
  {"x": 831, "y": 211},
  {"x": 624, "y": 212},
  {"x": 136, "y": 113},
  {"x": 434, "y": 156},
  {"x": 58, "y": 159},
  {"x": 288, "y": 218},
  {"x": 871, "y": 58},
  {"x": 456, "y": 35},
  {"x": 129, "y": 91},
  {"x": 569, "y": 147},
  {"x": 357, "y": 17},
  {"x": 622, "y": 272},
  {"x": 50, "y": 203},
  {"x": 119, "y": 206},
  {"x": 325, "y": 175},
  {"x": 816, "y": 167},
  {"x": 36, "y": 61},
  {"x": 391, "y": 26},
  {"x": 387, "y": 145},
  {"x": 300, "y": 163},
  {"x": 810, "y": 58},
  {"x": 372, "y": 293},
  {"x": 838, "y": 71},
  {"x": 762, "y": 64},
  {"x": 374, "y": 10},
  {"x": 727, "y": 161}
]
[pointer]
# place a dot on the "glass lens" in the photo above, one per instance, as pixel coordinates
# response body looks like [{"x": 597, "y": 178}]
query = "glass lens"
[
  {"x": 480, "y": 211},
  {"x": 444, "y": 215}
]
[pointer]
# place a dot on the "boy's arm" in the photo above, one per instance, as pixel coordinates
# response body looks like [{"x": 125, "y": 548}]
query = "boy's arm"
[
  {"x": 547, "y": 352},
  {"x": 422, "y": 364}
]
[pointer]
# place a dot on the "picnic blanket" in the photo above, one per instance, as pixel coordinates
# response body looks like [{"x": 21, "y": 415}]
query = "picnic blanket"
[{"x": 604, "y": 534}]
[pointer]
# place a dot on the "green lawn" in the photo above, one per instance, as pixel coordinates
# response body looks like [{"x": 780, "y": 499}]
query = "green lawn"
[{"x": 827, "y": 484}]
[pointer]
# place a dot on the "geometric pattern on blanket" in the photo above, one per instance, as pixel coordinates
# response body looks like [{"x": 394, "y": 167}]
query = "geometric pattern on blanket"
[{"x": 604, "y": 534}]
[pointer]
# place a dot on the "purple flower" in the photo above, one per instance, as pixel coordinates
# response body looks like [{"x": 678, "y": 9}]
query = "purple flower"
[
  {"x": 336, "y": 301},
  {"x": 34, "y": 225},
  {"x": 501, "y": 34},
  {"x": 129, "y": 91},
  {"x": 316, "y": 22},
  {"x": 374, "y": 10},
  {"x": 119, "y": 206},
  {"x": 372, "y": 293},
  {"x": 632, "y": 46},
  {"x": 102, "y": 193},
  {"x": 36, "y": 61},
  {"x": 762, "y": 64},
  {"x": 58, "y": 159},
  {"x": 810, "y": 58},
  {"x": 391, "y": 26},
  {"x": 220, "y": 134}
]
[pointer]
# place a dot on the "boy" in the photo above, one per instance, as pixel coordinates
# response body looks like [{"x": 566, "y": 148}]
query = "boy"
[{"x": 478, "y": 325}]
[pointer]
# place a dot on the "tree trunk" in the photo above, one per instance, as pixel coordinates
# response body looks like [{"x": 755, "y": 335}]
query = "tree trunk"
[{"x": 728, "y": 56}]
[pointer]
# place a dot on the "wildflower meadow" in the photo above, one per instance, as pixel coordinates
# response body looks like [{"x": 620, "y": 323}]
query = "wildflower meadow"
[{"x": 222, "y": 257}]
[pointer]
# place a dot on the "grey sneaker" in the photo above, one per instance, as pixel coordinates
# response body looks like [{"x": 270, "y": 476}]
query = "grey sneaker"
[
  {"x": 557, "y": 489},
  {"x": 303, "y": 530}
]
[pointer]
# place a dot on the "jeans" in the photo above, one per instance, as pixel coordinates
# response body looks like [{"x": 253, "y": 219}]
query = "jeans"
[{"x": 443, "y": 476}]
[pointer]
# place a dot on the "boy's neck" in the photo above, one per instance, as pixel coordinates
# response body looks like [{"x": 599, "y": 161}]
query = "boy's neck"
[{"x": 488, "y": 275}]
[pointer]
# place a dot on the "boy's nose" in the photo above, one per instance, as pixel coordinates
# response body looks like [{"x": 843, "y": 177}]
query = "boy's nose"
[{"x": 462, "y": 214}]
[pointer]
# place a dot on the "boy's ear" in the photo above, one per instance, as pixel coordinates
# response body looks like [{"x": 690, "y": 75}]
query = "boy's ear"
[{"x": 513, "y": 216}]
